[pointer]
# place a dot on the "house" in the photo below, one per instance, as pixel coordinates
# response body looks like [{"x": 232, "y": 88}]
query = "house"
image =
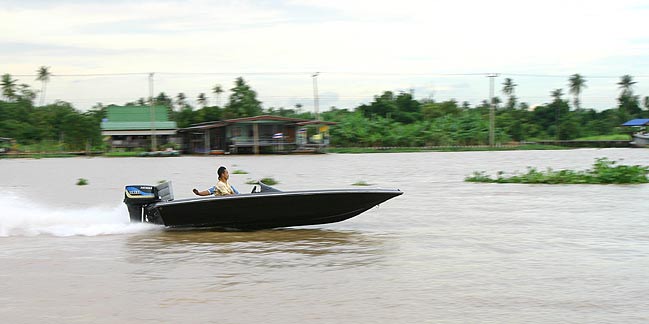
[
  {"x": 258, "y": 134},
  {"x": 132, "y": 127}
]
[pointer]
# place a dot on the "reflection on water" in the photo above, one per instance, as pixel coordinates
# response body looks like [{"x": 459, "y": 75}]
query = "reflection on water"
[{"x": 245, "y": 251}]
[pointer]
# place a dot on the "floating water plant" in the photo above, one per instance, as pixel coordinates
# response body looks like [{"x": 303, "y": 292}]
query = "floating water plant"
[
  {"x": 604, "y": 171},
  {"x": 361, "y": 183},
  {"x": 268, "y": 181},
  {"x": 239, "y": 172},
  {"x": 82, "y": 182}
]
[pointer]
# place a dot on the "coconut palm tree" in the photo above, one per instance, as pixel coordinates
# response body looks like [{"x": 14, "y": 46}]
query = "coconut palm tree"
[
  {"x": 628, "y": 102},
  {"x": 43, "y": 76},
  {"x": 180, "y": 100},
  {"x": 509, "y": 87},
  {"x": 8, "y": 87},
  {"x": 202, "y": 100},
  {"x": 626, "y": 84},
  {"x": 218, "y": 90},
  {"x": 577, "y": 84},
  {"x": 25, "y": 93},
  {"x": 557, "y": 94}
]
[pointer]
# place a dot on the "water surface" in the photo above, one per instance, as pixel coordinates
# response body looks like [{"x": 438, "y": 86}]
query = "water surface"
[{"x": 446, "y": 251}]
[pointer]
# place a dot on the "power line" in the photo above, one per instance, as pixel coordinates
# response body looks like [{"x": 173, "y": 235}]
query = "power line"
[{"x": 305, "y": 73}]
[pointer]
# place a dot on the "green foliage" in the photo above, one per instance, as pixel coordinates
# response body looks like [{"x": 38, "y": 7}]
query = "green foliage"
[
  {"x": 82, "y": 182},
  {"x": 239, "y": 172},
  {"x": 268, "y": 181},
  {"x": 361, "y": 183},
  {"x": 613, "y": 137},
  {"x": 243, "y": 101},
  {"x": 402, "y": 108},
  {"x": 353, "y": 150},
  {"x": 122, "y": 154},
  {"x": 390, "y": 120},
  {"x": 58, "y": 122},
  {"x": 604, "y": 171}
]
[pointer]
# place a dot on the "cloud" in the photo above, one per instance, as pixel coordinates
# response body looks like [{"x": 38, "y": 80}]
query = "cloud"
[
  {"x": 45, "y": 49},
  {"x": 351, "y": 42}
]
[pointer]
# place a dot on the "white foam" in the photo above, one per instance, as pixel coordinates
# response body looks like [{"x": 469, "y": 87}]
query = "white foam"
[{"x": 22, "y": 217}]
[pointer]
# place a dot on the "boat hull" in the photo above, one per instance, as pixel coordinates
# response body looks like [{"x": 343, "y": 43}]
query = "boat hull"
[{"x": 268, "y": 209}]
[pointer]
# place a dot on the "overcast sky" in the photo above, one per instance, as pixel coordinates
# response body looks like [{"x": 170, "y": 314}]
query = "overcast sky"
[{"x": 361, "y": 48}]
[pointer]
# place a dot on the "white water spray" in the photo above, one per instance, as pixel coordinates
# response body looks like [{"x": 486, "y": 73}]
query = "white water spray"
[{"x": 22, "y": 217}]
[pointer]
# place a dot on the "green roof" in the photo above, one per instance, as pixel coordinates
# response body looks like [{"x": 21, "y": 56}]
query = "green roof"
[
  {"x": 137, "y": 125},
  {"x": 136, "y": 113},
  {"x": 136, "y": 118}
]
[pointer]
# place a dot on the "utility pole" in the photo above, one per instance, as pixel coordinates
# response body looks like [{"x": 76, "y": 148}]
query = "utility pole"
[
  {"x": 315, "y": 94},
  {"x": 154, "y": 143},
  {"x": 492, "y": 108}
]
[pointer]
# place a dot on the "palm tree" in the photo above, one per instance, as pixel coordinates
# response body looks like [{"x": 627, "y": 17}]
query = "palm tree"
[
  {"x": 202, "y": 100},
  {"x": 163, "y": 99},
  {"x": 577, "y": 83},
  {"x": 509, "y": 88},
  {"x": 218, "y": 90},
  {"x": 8, "y": 87},
  {"x": 180, "y": 100},
  {"x": 556, "y": 94},
  {"x": 43, "y": 76},
  {"x": 25, "y": 93},
  {"x": 628, "y": 102},
  {"x": 496, "y": 101},
  {"x": 626, "y": 84}
]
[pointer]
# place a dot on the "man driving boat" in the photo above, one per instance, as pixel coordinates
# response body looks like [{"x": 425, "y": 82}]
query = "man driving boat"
[{"x": 222, "y": 188}]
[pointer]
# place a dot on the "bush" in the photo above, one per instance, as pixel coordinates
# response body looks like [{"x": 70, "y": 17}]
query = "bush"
[{"x": 604, "y": 171}]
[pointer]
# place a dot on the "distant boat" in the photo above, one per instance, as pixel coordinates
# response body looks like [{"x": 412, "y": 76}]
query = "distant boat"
[
  {"x": 640, "y": 138},
  {"x": 268, "y": 208}
]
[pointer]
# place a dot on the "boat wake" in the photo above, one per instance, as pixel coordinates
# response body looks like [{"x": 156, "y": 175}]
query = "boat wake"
[{"x": 22, "y": 217}]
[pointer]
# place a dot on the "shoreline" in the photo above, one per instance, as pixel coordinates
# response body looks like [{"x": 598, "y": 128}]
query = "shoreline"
[{"x": 336, "y": 150}]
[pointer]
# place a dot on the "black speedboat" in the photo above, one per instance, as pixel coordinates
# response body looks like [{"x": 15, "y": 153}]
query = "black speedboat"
[{"x": 265, "y": 208}]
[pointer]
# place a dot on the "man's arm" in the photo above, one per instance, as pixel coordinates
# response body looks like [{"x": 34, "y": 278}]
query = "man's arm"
[{"x": 207, "y": 192}]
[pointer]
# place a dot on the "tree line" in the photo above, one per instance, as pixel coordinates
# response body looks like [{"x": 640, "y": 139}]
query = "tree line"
[{"x": 390, "y": 119}]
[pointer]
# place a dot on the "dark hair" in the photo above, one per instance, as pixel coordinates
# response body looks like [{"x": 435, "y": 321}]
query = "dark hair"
[{"x": 220, "y": 171}]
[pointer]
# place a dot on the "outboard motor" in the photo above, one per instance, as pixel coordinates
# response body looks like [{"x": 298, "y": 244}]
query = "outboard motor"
[{"x": 137, "y": 197}]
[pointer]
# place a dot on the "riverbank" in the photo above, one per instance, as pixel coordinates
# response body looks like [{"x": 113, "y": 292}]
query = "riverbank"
[
  {"x": 528, "y": 147},
  {"x": 339, "y": 150}
]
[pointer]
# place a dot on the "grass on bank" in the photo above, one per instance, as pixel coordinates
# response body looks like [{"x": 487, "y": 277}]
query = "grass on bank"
[
  {"x": 442, "y": 149},
  {"x": 614, "y": 137},
  {"x": 604, "y": 171},
  {"x": 122, "y": 154}
]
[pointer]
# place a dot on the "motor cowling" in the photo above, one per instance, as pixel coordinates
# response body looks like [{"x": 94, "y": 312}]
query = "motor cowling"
[{"x": 136, "y": 197}]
